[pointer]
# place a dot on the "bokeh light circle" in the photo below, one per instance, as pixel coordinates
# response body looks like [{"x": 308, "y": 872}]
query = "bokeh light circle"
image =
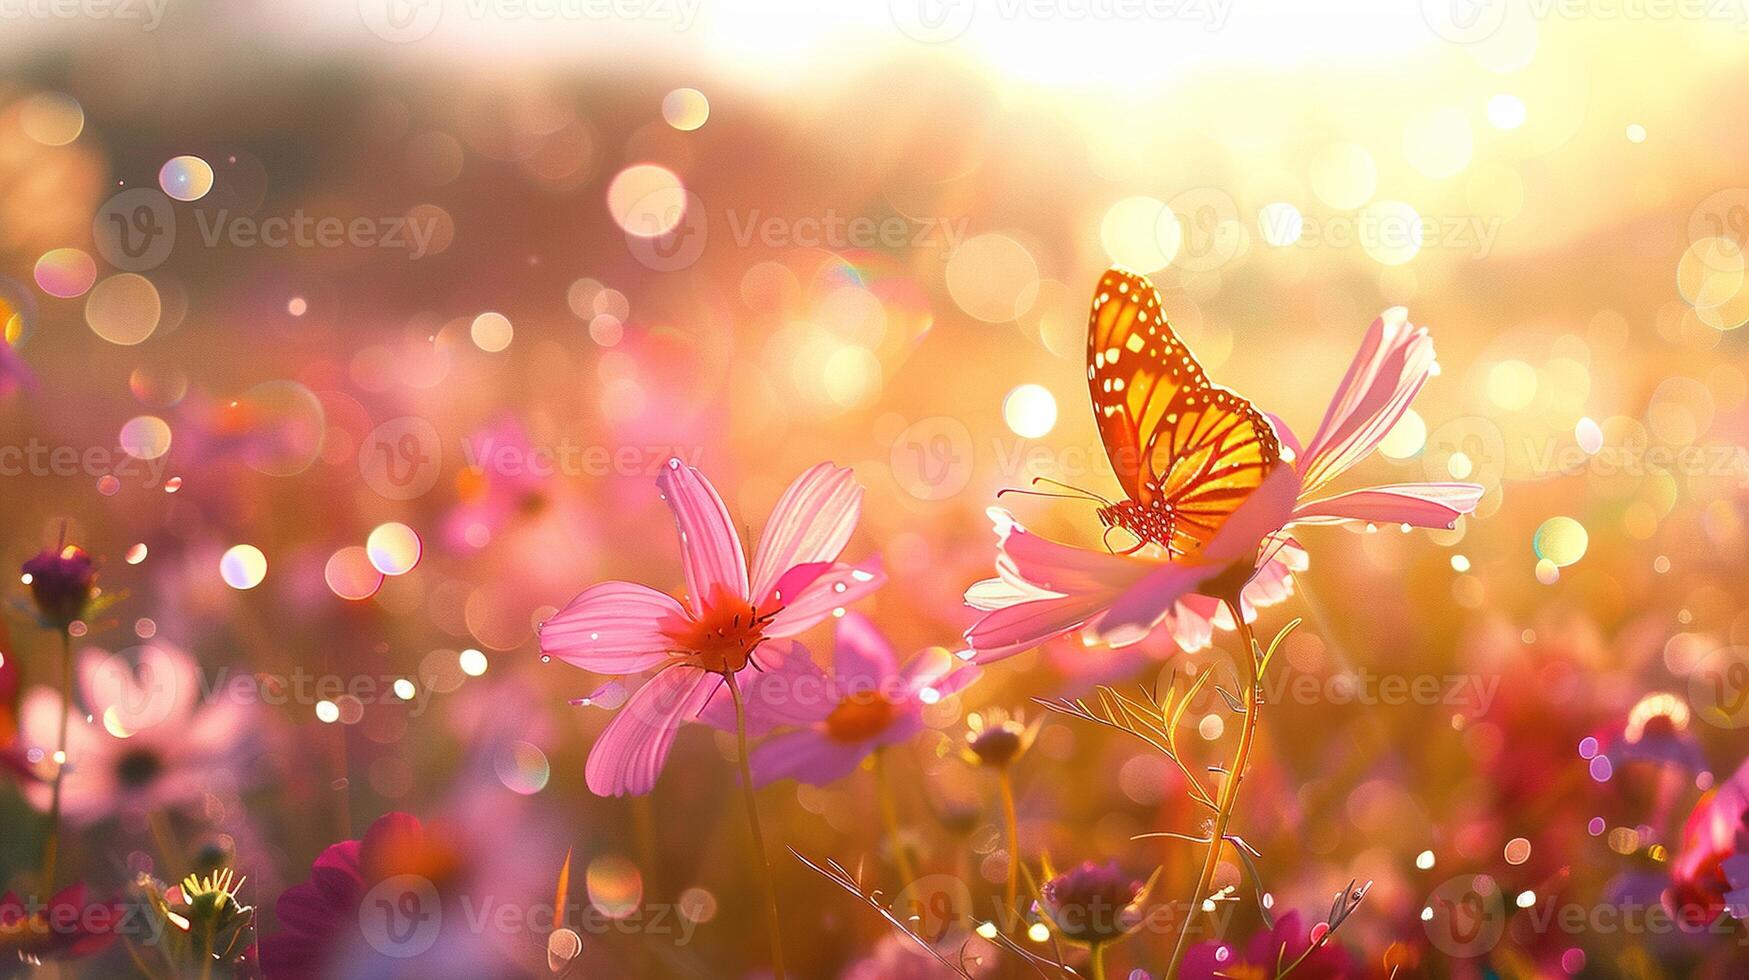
[
  {"x": 145, "y": 437},
  {"x": 186, "y": 178},
  {"x": 65, "y": 273},
  {"x": 491, "y": 332},
  {"x": 52, "y": 118},
  {"x": 646, "y": 200},
  {"x": 686, "y": 109},
  {"x": 1561, "y": 540},
  {"x": 1030, "y": 411},
  {"x": 394, "y": 548},
  {"x": 350, "y": 574},
  {"x": 124, "y": 309},
  {"x": 243, "y": 566}
]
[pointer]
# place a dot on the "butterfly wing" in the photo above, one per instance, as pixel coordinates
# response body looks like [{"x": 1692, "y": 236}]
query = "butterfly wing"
[{"x": 1192, "y": 449}]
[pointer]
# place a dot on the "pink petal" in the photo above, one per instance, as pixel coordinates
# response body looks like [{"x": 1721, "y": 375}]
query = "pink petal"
[
  {"x": 1273, "y": 583},
  {"x": 1018, "y": 628},
  {"x": 1236, "y": 545},
  {"x": 808, "y": 755},
  {"x": 839, "y": 587},
  {"x": 1192, "y": 622},
  {"x": 991, "y": 594},
  {"x": 612, "y": 628},
  {"x": 785, "y": 689},
  {"x": 1261, "y": 515},
  {"x": 1393, "y": 362},
  {"x": 793, "y": 582},
  {"x": 939, "y": 671},
  {"x": 709, "y": 547},
  {"x": 811, "y": 523},
  {"x": 1060, "y": 568},
  {"x": 163, "y": 685},
  {"x": 1135, "y": 613},
  {"x": 1436, "y": 505},
  {"x": 861, "y": 657},
  {"x": 630, "y": 753}
]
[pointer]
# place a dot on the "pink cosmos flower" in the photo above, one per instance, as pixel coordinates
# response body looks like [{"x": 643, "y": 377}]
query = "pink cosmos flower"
[
  {"x": 1044, "y": 589},
  {"x": 1715, "y": 843},
  {"x": 836, "y": 721},
  {"x": 731, "y": 610},
  {"x": 153, "y": 744}
]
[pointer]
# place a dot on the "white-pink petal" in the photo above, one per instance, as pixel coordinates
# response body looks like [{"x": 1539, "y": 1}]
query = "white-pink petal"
[
  {"x": 841, "y": 585},
  {"x": 1434, "y": 505},
  {"x": 812, "y": 522},
  {"x": 1393, "y": 362},
  {"x": 612, "y": 628},
  {"x": 631, "y": 751},
  {"x": 710, "y": 550}
]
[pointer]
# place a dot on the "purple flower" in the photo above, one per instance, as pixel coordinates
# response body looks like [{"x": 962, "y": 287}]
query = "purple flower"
[
  {"x": 62, "y": 583},
  {"x": 835, "y": 721},
  {"x": 1094, "y": 903}
]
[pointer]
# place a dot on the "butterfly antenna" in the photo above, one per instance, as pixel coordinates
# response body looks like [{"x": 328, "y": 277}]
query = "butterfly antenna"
[{"x": 1075, "y": 493}]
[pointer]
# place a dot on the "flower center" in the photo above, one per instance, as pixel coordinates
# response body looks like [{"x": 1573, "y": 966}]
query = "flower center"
[
  {"x": 860, "y": 716},
  {"x": 137, "y": 768},
  {"x": 723, "y": 638}
]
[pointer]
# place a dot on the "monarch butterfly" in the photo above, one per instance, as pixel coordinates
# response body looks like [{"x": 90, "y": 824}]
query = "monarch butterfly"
[{"x": 1188, "y": 452}]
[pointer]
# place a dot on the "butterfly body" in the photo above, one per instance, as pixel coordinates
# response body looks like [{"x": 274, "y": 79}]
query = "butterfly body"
[{"x": 1188, "y": 452}]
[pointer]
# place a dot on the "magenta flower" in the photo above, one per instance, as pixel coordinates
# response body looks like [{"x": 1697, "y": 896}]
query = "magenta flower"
[
  {"x": 731, "y": 609},
  {"x": 835, "y": 721},
  {"x": 1044, "y": 589},
  {"x": 153, "y": 744},
  {"x": 67, "y": 926},
  {"x": 340, "y": 920},
  {"x": 1269, "y": 952}
]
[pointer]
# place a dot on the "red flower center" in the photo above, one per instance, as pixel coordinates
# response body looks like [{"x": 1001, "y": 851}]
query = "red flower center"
[
  {"x": 722, "y": 638},
  {"x": 860, "y": 716}
]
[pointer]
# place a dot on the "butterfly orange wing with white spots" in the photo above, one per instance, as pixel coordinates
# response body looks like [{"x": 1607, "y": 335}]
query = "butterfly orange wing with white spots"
[{"x": 1188, "y": 452}]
